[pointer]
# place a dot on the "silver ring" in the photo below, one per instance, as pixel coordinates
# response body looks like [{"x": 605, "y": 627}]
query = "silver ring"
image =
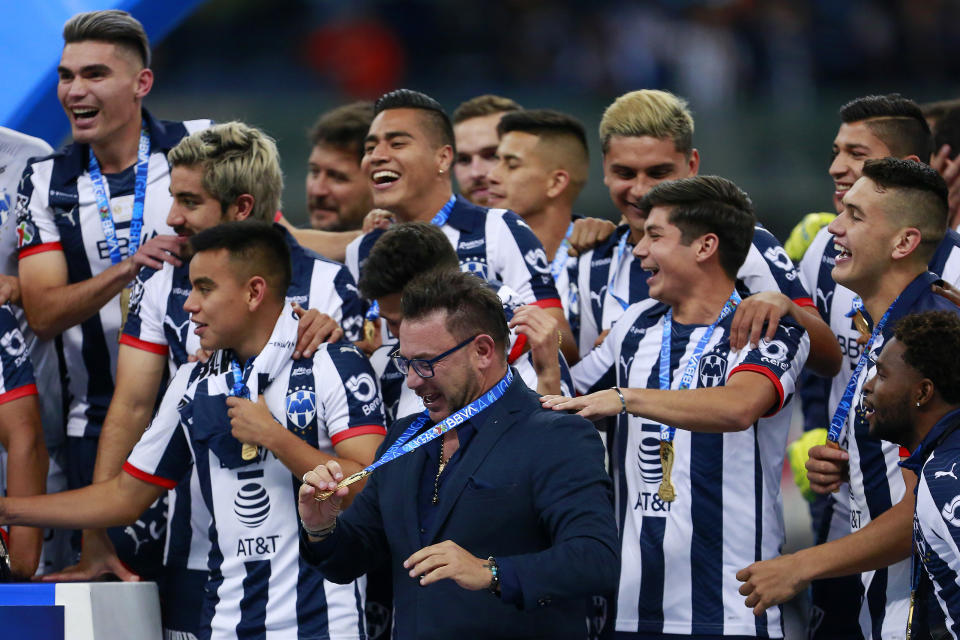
[{"x": 304, "y": 478}]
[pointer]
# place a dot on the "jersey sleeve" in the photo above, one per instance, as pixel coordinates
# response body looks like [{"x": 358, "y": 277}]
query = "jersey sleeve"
[
  {"x": 598, "y": 368},
  {"x": 16, "y": 378},
  {"x": 519, "y": 261},
  {"x": 348, "y": 390},
  {"x": 589, "y": 302},
  {"x": 163, "y": 455},
  {"x": 781, "y": 360},
  {"x": 810, "y": 269},
  {"x": 148, "y": 305},
  {"x": 334, "y": 291},
  {"x": 36, "y": 230},
  {"x": 769, "y": 268}
]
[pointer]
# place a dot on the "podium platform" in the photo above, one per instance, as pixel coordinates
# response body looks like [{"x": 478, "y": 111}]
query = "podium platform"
[{"x": 80, "y": 611}]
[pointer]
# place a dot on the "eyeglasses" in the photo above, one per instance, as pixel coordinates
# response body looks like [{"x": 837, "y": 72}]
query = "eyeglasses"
[{"x": 424, "y": 368}]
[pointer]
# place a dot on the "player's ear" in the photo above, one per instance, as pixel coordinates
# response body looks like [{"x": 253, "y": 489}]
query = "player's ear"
[{"x": 256, "y": 292}]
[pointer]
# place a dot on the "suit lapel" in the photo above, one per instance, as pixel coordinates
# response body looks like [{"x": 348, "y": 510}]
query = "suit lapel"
[{"x": 492, "y": 424}]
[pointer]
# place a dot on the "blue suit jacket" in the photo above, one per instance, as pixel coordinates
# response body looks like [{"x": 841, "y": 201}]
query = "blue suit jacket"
[{"x": 531, "y": 487}]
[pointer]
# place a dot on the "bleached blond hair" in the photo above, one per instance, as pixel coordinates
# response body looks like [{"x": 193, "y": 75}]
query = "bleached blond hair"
[{"x": 649, "y": 112}]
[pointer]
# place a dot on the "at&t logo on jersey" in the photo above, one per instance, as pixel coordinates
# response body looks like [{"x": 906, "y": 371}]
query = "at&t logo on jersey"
[
  {"x": 252, "y": 505},
  {"x": 648, "y": 456},
  {"x": 301, "y": 408}
]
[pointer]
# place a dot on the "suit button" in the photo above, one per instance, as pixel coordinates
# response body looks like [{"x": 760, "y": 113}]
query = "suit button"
[{"x": 422, "y": 530}]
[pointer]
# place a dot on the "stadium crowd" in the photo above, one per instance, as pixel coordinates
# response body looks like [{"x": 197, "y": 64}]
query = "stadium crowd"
[{"x": 476, "y": 412}]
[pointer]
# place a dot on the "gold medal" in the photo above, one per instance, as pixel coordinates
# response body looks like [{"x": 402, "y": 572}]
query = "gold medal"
[
  {"x": 666, "y": 490},
  {"x": 369, "y": 330},
  {"x": 861, "y": 325},
  {"x": 124, "y": 308},
  {"x": 346, "y": 482},
  {"x": 249, "y": 451},
  {"x": 913, "y": 597}
]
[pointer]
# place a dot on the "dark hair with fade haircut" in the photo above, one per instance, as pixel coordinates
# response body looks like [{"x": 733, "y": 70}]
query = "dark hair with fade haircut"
[
  {"x": 708, "y": 204},
  {"x": 485, "y": 105},
  {"x": 924, "y": 197},
  {"x": 110, "y": 25},
  {"x": 402, "y": 253},
  {"x": 256, "y": 248},
  {"x": 436, "y": 117},
  {"x": 344, "y": 127},
  {"x": 471, "y": 305},
  {"x": 947, "y": 132},
  {"x": 544, "y": 123},
  {"x": 931, "y": 342},
  {"x": 896, "y": 120}
]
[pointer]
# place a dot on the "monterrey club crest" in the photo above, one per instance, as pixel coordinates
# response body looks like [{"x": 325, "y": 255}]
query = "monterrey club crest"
[
  {"x": 301, "y": 408},
  {"x": 713, "y": 370}
]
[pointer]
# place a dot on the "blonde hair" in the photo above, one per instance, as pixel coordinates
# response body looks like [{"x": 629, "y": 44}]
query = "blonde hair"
[
  {"x": 236, "y": 159},
  {"x": 649, "y": 112}
]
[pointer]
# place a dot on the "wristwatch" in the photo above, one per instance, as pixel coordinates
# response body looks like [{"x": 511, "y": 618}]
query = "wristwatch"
[{"x": 494, "y": 586}]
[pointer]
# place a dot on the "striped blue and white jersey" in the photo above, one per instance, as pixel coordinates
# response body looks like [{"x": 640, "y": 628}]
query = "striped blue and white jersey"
[
  {"x": 15, "y": 151},
  {"x": 495, "y": 244},
  {"x": 400, "y": 401},
  {"x": 157, "y": 322},
  {"x": 936, "y": 519},
  {"x": 877, "y": 472},
  {"x": 258, "y": 586},
  {"x": 16, "y": 370},
  {"x": 57, "y": 211},
  {"x": 602, "y": 302},
  {"x": 679, "y": 559}
]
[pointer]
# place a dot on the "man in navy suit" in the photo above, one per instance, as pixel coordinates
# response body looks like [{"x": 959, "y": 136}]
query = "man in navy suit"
[{"x": 501, "y": 526}]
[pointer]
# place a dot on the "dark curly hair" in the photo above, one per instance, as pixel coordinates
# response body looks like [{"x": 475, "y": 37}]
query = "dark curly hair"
[{"x": 931, "y": 342}]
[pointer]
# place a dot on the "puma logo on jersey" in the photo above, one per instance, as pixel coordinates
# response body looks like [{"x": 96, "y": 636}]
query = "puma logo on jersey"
[{"x": 943, "y": 474}]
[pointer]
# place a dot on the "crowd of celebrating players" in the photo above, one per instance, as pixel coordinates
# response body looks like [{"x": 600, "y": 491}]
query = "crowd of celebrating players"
[{"x": 180, "y": 417}]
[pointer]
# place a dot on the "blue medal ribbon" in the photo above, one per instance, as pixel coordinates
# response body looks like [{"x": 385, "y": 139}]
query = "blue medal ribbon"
[
  {"x": 407, "y": 442},
  {"x": 139, "y": 196},
  {"x": 240, "y": 388},
  {"x": 440, "y": 219},
  {"x": 561, "y": 257},
  {"x": 614, "y": 267},
  {"x": 667, "y": 433},
  {"x": 843, "y": 408}
]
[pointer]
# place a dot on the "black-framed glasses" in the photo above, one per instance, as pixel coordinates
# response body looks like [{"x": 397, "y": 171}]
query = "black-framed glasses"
[{"x": 424, "y": 368}]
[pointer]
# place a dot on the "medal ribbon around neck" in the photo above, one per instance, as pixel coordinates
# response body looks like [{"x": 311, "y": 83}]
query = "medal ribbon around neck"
[
  {"x": 240, "y": 390},
  {"x": 139, "y": 196},
  {"x": 439, "y": 219},
  {"x": 843, "y": 408},
  {"x": 561, "y": 257},
  {"x": 667, "y": 433},
  {"x": 407, "y": 442},
  {"x": 615, "y": 267}
]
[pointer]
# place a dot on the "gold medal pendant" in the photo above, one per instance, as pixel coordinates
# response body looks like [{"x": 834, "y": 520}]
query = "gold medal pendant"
[
  {"x": 249, "y": 451},
  {"x": 369, "y": 330},
  {"x": 666, "y": 490},
  {"x": 124, "y": 308},
  {"x": 860, "y": 324},
  {"x": 346, "y": 482},
  {"x": 913, "y": 597}
]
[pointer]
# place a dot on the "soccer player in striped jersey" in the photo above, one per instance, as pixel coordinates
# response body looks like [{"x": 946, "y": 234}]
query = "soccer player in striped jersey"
[
  {"x": 872, "y": 127},
  {"x": 411, "y": 248},
  {"x": 542, "y": 165},
  {"x": 475, "y": 132},
  {"x": 894, "y": 219},
  {"x": 408, "y": 154},
  {"x": 89, "y": 217},
  {"x": 230, "y": 171},
  {"x": 702, "y": 429},
  {"x": 16, "y": 149},
  {"x": 914, "y": 400},
  {"x": 249, "y": 453},
  {"x": 647, "y": 137},
  {"x": 23, "y": 457}
]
